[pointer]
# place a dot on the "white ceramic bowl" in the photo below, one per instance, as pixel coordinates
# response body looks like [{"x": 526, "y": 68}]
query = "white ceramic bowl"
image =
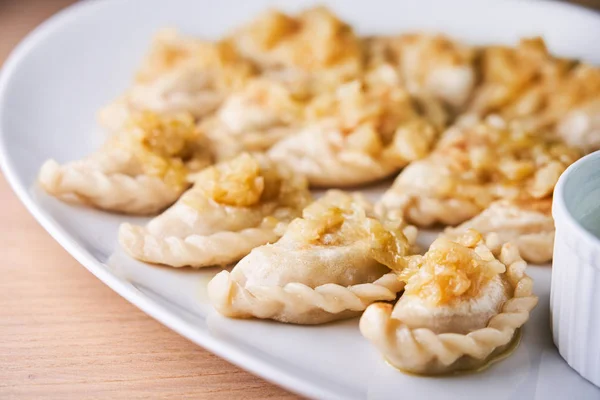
[{"x": 575, "y": 291}]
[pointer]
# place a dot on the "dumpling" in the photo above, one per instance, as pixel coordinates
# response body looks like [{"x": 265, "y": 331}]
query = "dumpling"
[
  {"x": 330, "y": 264},
  {"x": 364, "y": 131},
  {"x": 526, "y": 224},
  {"x": 514, "y": 79},
  {"x": 140, "y": 170},
  {"x": 311, "y": 51},
  {"x": 578, "y": 89},
  {"x": 474, "y": 164},
  {"x": 253, "y": 119},
  {"x": 171, "y": 50},
  {"x": 432, "y": 66},
  {"x": 463, "y": 303},
  {"x": 180, "y": 74},
  {"x": 530, "y": 88},
  {"x": 580, "y": 127},
  {"x": 232, "y": 208}
]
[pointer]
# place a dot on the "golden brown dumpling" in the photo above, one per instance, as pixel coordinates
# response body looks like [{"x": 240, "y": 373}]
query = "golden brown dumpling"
[
  {"x": 580, "y": 127},
  {"x": 140, "y": 170},
  {"x": 180, "y": 74},
  {"x": 232, "y": 208},
  {"x": 362, "y": 132},
  {"x": 526, "y": 224},
  {"x": 463, "y": 302},
  {"x": 330, "y": 264},
  {"x": 313, "y": 49},
  {"x": 511, "y": 75},
  {"x": 430, "y": 66},
  {"x": 253, "y": 119},
  {"x": 536, "y": 91},
  {"x": 475, "y": 163}
]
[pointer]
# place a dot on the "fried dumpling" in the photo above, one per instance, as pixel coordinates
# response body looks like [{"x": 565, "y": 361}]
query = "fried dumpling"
[
  {"x": 536, "y": 91},
  {"x": 512, "y": 77},
  {"x": 431, "y": 66},
  {"x": 140, "y": 170},
  {"x": 311, "y": 51},
  {"x": 474, "y": 164},
  {"x": 526, "y": 224},
  {"x": 253, "y": 119},
  {"x": 232, "y": 208},
  {"x": 330, "y": 264},
  {"x": 364, "y": 131},
  {"x": 580, "y": 127},
  {"x": 463, "y": 302},
  {"x": 180, "y": 74},
  {"x": 552, "y": 102}
]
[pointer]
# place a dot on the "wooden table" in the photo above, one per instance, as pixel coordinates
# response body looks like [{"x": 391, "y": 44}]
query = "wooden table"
[{"x": 63, "y": 333}]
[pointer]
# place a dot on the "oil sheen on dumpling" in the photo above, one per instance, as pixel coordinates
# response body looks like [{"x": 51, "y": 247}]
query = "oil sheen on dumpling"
[
  {"x": 330, "y": 264},
  {"x": 233, "y": 207},
  {"x": 462, "y": 304},
  {"x": 140, "y": 170}
]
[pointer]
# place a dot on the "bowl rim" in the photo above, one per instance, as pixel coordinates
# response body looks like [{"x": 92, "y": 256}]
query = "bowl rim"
[{"x": 561, "y": 213}]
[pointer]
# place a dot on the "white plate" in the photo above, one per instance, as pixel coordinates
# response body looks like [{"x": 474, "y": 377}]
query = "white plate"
[{"x": 58, "y": 77}]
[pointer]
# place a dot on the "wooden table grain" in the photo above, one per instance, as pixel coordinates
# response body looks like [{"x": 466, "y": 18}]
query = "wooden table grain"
[{"x": 63, "y": 333}]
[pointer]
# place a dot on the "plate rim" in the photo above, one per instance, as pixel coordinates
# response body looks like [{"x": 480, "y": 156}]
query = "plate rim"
[{"x": 153, "y": 308}]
